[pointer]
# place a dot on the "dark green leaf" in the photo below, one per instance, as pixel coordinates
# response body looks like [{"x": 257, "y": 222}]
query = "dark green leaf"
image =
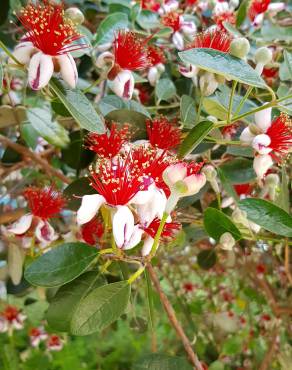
[
  {"x": 187, "y": 111},
  {"x": 29, "y": 135},
  {"x": 100, "y": 308},
  {"x": 232, "y": 346},
  {"x": 75, "y": 155},
  {"x": 108, "y": 27},
  {"x": 267, "y": 215},
  {"x": 79, "y": 106},
  {"x": 207, "y": 259},
  {"x": 158, "y": 361},
  {"x": 195, "y": 137},
  {"x": 76, "y": 190},
  {"x": 68, "y": 297},
  {"x": 239, "y": 171},
  {"x": 4, "y": 11},
  {"x": 60, "y": 265},
  {"x": 147, "y": 19},
  {"x": 241, "y": 13},
  {"x": 288, "y": 62},
  {"x": 227, "y": 186},
  {"x": 223, "y": 64},
  {"x": 164, "y": 89},
  {"x": 217, "y": 223}
]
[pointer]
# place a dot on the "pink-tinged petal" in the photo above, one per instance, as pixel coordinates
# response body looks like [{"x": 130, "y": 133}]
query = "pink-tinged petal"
[
  {"x": 89, "y": 207},
  {"x": 189, "y": 71},
  {"x": 123, "y": 226},
  {"x": 68, "y": 69},
  {"x": 276, "y": 7},
  {"x": 141, "y": 197},
  {"x": 261, "y": 164},
  {"x": 189, "y": 28},
  {"x": 23, "y": 52},
  {"x": 104, "y": 59},
  {"x": 195, "y": 183},
  {"x": 45, "y": 233},
  {"x": 22, "y": 225},
  {"x": 3, "y": 325},
  {"x": 261, "y": 144},
  {"x": 247, "y": 136},
  {"x": 263, "y": 119},
  {"x": 147, "y": 246},
  {"x": 174, "y": 173},
  {"x": 135, "y": 238},
  {"x": 153, "y": 75},
  {"x": 208, "y": 83},
  {"x": 258, "y": 19},
  {"x": 40, "y": 70},
  {"x": 123, "y": 85},
  {"x": 178, "y": 41}
]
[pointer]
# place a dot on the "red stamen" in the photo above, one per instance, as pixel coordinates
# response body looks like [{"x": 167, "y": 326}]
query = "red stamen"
[
  {"x": 280, "y": 133},
  {"x": 107, "y": 145},
  {"x": 155, "y": 55},
  {"x": 172, "y": 20},
  {"x": 150, "y": 5},
  {"x": 10, "y": 313},
  {"x": 169, "y": 229},
  {"x": 92, "y": 231},
  {"x": 194, "y": 168},
  {"x": 44, "y": 203},
  {"x": 130, "y": 51},
  {"x": 216, "y": 40},
  {"x": 270, "y": 72},
  {"x": 144, "y": 94},
  {"x": 243, "y": 189},
  {"x": 228, "y": 17},
  {"x": 257, "y": 7},
  {"x": 162, "y": 133},
  {"x": 48, "y": 28},
  {"x": 188, "y": 287}
]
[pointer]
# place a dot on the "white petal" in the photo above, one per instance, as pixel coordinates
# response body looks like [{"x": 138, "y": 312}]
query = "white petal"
[
  {"x": 261, "y": 144},
  {"x": 195, "y": 183},
  {"x": 22, "y": 225},
  {"x": 141, "y": 197},
  {"x": 258, "y": 19},
  {"x": 174, "y": 173},
  {"x": 103, "y": 59},
  {"x": 178, "y": 40},
  {"x": 208, "y": 83},
  {"x": 123, "y": 226},
  {"x": 123, "y": 84},
  {"x": 263, "y": 119},
  {"x": 189, "y": 28},
  {"x": 135, "y": 238},
  {"x": 89, "y": 207},
  {"x": 148, "y": 243},
  {"x": 261, "y": 164},
  {"x": 68, "y": 69},
  {"x": 40, "y": 70},
  {"x": 153, "y": 75},
  {"x": 189, "y": 71},
  {"x": 247, "y": 136},
  {"x": 23, "y": 52},
  {"x": 160, "y": 67},
  {"x": 45, "y": 233},
  {"x": 276, "y": 7},
  {"x": 153, "y": 208}
]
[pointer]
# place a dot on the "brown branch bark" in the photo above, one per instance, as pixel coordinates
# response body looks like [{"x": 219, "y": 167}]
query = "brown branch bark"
[
  {"x": 287, "y": 263},
  {"x": 26, "y": 153},
  {"x": 8, "y": 217},
  {"x": 173, "y": 320},
  {"x": 265, "y": 365}
]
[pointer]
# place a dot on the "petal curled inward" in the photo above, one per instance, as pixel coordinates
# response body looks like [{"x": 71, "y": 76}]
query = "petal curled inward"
[
  {"x": 89, "y": 207},
  {"x": 261, "y": 144},
  {"x": 247, "y": 136},
  {"x": 123, "y": 226},
  {"x": 40, "y": 70},
  {"x": 123, "y": 85},
  {"x": 68, "y": 69},
  {"x": 22, "y": 225},
  {"x": 195, "y": 183},
  {"x": 261, "y": 164},
  {"x": 23, "y": 52},
  {"x": 263, "y": 119},
  {"x": 45, "y": 233},
  {"x": 173, "y": 173}
]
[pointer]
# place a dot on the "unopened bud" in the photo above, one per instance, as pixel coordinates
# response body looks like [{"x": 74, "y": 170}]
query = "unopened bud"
[
  {"x": 209, "y": 172},
  {"x": 75, "y": 15},
  {"x": 239, "y": 216},
  {"x": 272, "y": 179},
  {"x": 234, "y": 3},
  {"x": 212, "y": 119},
  {"x": 227, "y": 241},
  {"x": 240, "y": 47},
  {"x": 263, "y": 55},
  {"x": 208, "y": 83}
]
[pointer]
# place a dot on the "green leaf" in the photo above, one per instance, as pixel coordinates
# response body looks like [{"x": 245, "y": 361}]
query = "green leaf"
[
  {"x": 207, "y": 259},
  {"x": 267, "y": 215},
  {"x": 195, "y": 137},
  {"x": 147, "y": 19},
  {"x": 217, "y": 223},
  {"x": 60, "y": 265},
  {"x": 75, "y": 155},
  {"x": 283, "y": 199},
  {"x": 187, "y": 111},
  {"x": 156, "y": 361},
  {"x": 68, "y": 297},
  {"x": 241, "y": 13},
  {"x": 164, "y": 89},
  {"x": 223, "y": 64},
  {"x": 112, "y": 103},
  {"x": 4, "y": 11},
  {"x": 239, "y": 170},
  {"x": 226, "y": 184},
  {"x": 29, "y": 135},
  {"x": 41, "y": 120},
  {"x": 79, "y": 106},
  {"x": 232, "y": 346},
  {"x": 109, "y": 26},
  {"x": 100, "y": 308},
  {"x": 272, "y": 32},
  {"x": 217, "y": 365},
  {"x": 76, "y": 190},
  {"x": 288, "y": 62}
]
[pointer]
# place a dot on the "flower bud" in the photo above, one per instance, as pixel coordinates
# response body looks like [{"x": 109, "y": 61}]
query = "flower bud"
[
  {"x": 262, "y": 57},
  {"x": 261, "y": 144},
  {"x": 261, "y": 164},
  {"x": 209, "y": 172},
  {"x": 239, "y": 217},
  {"x": 104, "y": 59},
  {"x": 123, "y": 85},
  {"x": 234, "y": 3},
  {"x": 75, "y": 15},
  {"x": 271, "y": 183},
  {"x": 227, "y": 241},
  {"x": 208, "y": 83},
  {"x": 240, "y": 47}
]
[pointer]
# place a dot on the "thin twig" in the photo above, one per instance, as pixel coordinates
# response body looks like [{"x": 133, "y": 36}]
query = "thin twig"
[
  {"x": 35, "y": 157},
  {"x": 173, "y": 320},
  {"x": 265, "y": 365}
]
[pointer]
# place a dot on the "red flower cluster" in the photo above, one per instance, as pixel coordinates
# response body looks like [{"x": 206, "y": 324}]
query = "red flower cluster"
[
  {"x": 162, "y": 133},
  {"x": 168, "y": 231},
  {"x": 216, "y": 39},
  {"x": 280, "y": 133},
  {"x": 257, "y": 7},
  {"x": 172, "y": 20},
  {"x": 155, "y": 55},
  {"x": 92, "y": 231}
]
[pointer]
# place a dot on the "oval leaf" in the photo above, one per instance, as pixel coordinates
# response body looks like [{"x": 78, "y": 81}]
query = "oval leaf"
[
  {"x": 109, "y": 26},
  {"x": 79, "y": 107},
  {"x": 75, "y": 191},
  {"x": 239, "y": 171},
  {"x": 164, "y": 89},
  {"x": 267, "y": 215},
  {"x": 60, "y": 265},
  {"x": 207, "y": 259},
  {"x": 100, "y": 308},
  {"x": 217, "y": 223},
  {"x": 195, "y": 137},
  {"x": 223, "y": 64}
]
